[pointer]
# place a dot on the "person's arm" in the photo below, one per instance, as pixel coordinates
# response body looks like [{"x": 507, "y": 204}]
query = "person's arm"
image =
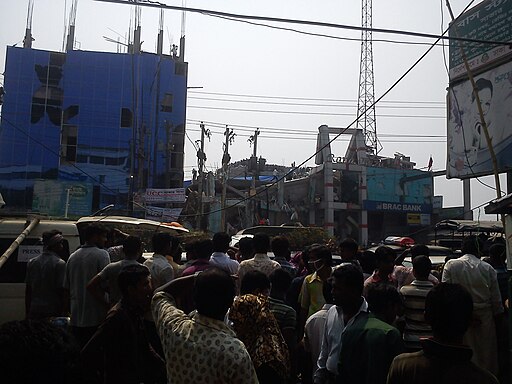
[
  {"x": 180, "y": 289},
  {"x": 401, "y": 257},
  {"x": 446, "y": 276},
  {"x": 290, "y": 337},
  {"x": 320, "y": 374},
  {"x": 28, "y": 299},
  {"x": 304, "y": 309},
  {"x": 95, "y": 289},
  {"x": 28, "y": 290}
]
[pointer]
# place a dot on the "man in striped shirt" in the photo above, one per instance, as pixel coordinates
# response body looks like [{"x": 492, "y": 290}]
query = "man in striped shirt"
[{"x": 414, "y": 296}]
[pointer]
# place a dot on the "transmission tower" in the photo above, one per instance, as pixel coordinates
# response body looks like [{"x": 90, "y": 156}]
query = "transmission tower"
[{"x": 365, "y": 109}]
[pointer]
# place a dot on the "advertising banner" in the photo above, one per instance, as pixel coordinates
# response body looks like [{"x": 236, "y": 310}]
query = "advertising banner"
[
  {"x": 165, "y": 215},
  {"x": 399, "y": 185},
  {"x": 50, "y": 198},
  {"x": 489, "y": 20},
  {"x": 468, "y": 154},
  {"x": 172, "y": 195}
]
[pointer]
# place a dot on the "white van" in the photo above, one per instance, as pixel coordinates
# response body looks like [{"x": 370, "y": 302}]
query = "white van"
[{"x": 12, "y": 273}]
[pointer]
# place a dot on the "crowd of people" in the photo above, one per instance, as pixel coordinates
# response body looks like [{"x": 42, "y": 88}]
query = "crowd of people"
[{"x": 239, "y": 316}]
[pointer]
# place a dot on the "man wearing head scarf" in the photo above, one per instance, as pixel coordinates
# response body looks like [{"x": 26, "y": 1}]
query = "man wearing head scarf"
[{"x": 44, "y": 279}]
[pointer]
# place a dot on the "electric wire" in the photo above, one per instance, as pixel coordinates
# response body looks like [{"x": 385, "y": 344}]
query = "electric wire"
[{"x": 437, "y": 38}]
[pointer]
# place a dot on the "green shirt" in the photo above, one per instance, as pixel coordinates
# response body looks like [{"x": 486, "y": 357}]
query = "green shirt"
[{"x": 368, "y": 347}]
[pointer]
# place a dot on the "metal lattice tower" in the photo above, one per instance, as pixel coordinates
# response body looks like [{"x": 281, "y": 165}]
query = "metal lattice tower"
[{"x": 367, "y": 121}]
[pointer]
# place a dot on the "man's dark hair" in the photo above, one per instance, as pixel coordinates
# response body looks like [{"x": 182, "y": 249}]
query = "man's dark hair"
[
  {"x": 132, "y": 245},
  {"x": 214, "y": 291},
  {"x": 497, "y": 253},
  {"x": 419, "y": 249},
  {"x": 94, "y": 230},
  {"x": 381, "y": 297},
  {"x": 327, "y": 292},
  {"x": 322, "y": 253},
  {"x": 281, "y": 247},
  {"x": 449, "y": 310},
  {"x": 47, "y": 236},
  {"x": 473, "y": 245},
  {"x": 253, "y": 280},
  {"x": 176, "y": 249},
  {"x": 160, "y": 241},
  {"x": 36, "y": 351},
  {"x": 481, "y": 84},
  {"x": 246, "y": 247},
  {"x": 203, "y": 249},
  {"x": 421, "y": 266},
  {"x": 261, "y": 242},
  {"x": 221, "y": 242},
  {"x": 130, "y": 276},
  {"x": 384, "y": 254},
  {"x": 280, "y": 280},
  {"x": 367, "y": 260},
  {"x": 349, "y": 275},
  {"x": 349, "y": 244}
]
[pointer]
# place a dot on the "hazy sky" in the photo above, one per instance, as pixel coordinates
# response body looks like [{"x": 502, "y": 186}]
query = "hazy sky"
[{"x": 230, "y": 57}]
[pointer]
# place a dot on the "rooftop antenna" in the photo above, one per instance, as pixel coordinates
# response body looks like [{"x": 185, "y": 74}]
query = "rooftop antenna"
[
  {"x": 182, "y": 37},
  {"x": 130, "y": 31},
  {"x": 28, "y": 39},
  {"x": 137, "y": 31},
  {"x": 71, "y": 29},
  {"x": 160, "y": 38}
]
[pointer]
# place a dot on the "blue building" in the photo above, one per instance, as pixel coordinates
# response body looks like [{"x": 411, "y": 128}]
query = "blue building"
[{"x": 114, "y": 122}]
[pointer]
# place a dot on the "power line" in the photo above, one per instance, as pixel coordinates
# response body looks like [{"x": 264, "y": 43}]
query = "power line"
[
  {"x": 266, "y": 188},
  {"x": 308, "y": 113},
  {"x": 156, "y": 4},
  {"x": 285, "y": 129},
  {"x": 312, "y": 99},
  {"x": 310, "y": 105}
]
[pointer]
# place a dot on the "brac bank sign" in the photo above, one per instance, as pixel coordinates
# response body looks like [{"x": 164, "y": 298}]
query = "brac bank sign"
[{"x": 397, "y": 207}]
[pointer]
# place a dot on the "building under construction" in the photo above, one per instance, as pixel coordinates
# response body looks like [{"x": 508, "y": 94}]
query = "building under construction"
[{"x": 90, "y": 128}]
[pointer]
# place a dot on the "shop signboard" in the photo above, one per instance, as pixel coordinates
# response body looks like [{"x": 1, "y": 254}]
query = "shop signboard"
[
  {"x": 490, "y": 21},
  {"x": 170, "y": 195}
]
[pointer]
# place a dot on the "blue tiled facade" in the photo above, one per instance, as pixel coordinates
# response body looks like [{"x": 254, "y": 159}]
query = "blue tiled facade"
[{"x": 84, "y": 116}]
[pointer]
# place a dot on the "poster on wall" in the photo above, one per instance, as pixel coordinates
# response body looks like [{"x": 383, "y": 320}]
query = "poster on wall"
[
  {"x": 50, "y": 198},
  {"x": 399, "y": 185},
  {"x": 165, "y": 215},
  {"x": 468, "y": 153}
]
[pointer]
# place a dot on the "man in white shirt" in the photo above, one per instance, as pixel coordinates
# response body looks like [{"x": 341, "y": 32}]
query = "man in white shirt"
[
  {"x": 87, "y": 311},
  {"x": 260, "y": 262},
  {"x": 347, "y": 287},
  {"x": 106, "y": 279},
  {"x": 480, "y": 279},
  {"x": 314, "y": 331},
  {"x": 160, "y": 268},
  {"x": 219, "y": 257}
]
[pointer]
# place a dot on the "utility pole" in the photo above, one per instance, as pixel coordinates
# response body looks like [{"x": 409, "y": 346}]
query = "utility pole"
[
  {"x": 253, "y": 162},
  {"x": 201, "y": 156},
  {"x": 226, "y": 158}
]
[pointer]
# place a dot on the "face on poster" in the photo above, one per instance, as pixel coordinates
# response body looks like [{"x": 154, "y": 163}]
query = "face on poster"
[{"x": 468, "y": 150}]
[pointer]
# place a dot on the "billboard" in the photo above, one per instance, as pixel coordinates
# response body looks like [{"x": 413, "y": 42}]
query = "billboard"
[
  {"x": 489, "y": 20},
  {"x": 468, "y": 153},
  {"x": 50, "y": 198},
  {"x": 390, "y": 185}
]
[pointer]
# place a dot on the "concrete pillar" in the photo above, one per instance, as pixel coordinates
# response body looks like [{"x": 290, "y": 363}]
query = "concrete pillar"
[
  {"x": 466, "y": 190},
  {"x": 363, "y": 220},
  {"x": 328, "y": 197}
]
